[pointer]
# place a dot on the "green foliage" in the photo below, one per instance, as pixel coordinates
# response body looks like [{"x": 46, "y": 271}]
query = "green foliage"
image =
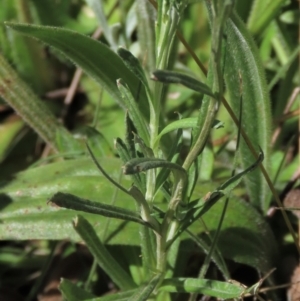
[{"x": 173, "y": 184}]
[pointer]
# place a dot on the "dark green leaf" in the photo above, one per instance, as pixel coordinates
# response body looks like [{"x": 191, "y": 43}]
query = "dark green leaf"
[
  {"x": 73, "y": 202},
  {"x": 134, "y": 65},
  {"x": 143, "y": 164},
  {"x": 190, "y": 122},
  {"x": 95, "y": 58},
  {"x": 133, "y": 110},
  {"x": 170, "y": 77}
]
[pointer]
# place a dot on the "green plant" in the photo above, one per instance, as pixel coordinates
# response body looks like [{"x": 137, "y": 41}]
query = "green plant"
[{"x": 164, "y": 203}]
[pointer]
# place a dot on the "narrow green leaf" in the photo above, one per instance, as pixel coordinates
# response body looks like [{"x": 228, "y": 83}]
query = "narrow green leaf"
[
  {"x": 73, "y": 202},
  {"x": 206, "y": 163},
  {"x": 112, "y": 268},
  {"x": 218, "y": 289},
  {"x": 262, "y": 13},
  {"x": 33, "y": 111},
  {"x": 143, "y": 164},
  {"x": 72, "y": 292},
  {"x": 134, "y": 65},
  {"x": 129, "y": 136},
  {"x": 10, "y": 128},
  {"x": 281, "y": 73},
  {"x": 173, "y": 155},
  {"x": 170, "y": 77},
  {"x": 147, "y": 151},
  {"x": 145, "y": 291},
  {"x": 185, "y": 123},
  {"x": 122, "y": 150},
  {"x": 148, "y": 243},
  {"x": 242, "y": 61},
  {"x": 97, "y": 7},
  {"x": 123, "y": 153},
  {"x": 95, "y": 58},
  {"x": 146, "y": 32},
  {"x": 133, "y": 110}
]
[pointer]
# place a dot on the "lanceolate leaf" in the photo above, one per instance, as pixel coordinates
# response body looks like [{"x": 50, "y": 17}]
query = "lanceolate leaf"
[
  {"x": 73, "y": 202},
  {"x": 101, "y": 254},
  {"x": 134, "y": 65},
  {"x": 190, "y": 122},
  {"x": 133, "y": 110},
  {"x": 170, "y": 77},
  {"x": 146, "y": 31},
  {"x": 95, "y": 58},
  {"x": 143, "y": 164},
  {"x": 242, "y": 60}
]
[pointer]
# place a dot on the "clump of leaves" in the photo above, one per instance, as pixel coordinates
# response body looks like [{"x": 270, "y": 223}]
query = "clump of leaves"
[{"x": 160, "y": 200}]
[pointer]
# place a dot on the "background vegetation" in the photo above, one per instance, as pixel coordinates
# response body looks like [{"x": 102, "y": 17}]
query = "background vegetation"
[{"x": 50, "y": 109}]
